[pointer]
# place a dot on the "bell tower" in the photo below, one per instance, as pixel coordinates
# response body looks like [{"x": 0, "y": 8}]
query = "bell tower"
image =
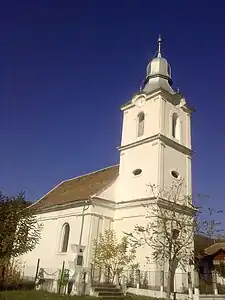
[{"x": 156, "y": 135}]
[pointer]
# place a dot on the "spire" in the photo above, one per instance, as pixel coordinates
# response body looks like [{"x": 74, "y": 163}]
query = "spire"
[
  {"x": 159, "y": 42},
  {"x": 158, "y": 72}
]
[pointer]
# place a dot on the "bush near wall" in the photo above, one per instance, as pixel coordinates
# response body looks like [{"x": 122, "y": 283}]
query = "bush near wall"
[
  {"x": 23, "y": 285},
  {"x": 13, "y": 279}
]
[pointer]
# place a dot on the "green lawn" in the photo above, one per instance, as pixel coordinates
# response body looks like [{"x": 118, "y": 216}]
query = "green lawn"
[{"x": 40, "y": 295}]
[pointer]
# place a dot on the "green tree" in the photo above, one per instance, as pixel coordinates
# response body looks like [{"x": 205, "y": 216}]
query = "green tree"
[
  {"x": 19, "y": 229},
  {"x": 112, "y": 254}
]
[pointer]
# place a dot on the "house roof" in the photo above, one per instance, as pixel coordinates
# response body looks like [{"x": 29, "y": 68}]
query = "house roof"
[
  {"x": 206, "y": 246},
  {"x": 78, "y": 188},
  {"x": 216, "y": 247},
  {"x": 202, "y": 242}
]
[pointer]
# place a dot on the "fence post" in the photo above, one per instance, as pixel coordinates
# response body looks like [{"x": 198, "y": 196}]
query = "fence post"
[
  {"x": 190, "y": 290},
  {"x": 162, "y": 284},
  {"x": 61, "y": 277},
  {"x": 123, "y": 284},
  {"x": 37, "y": 270},
  {"x": 161, "y": 280},
  {"x": 102, "y": 276},
  {"x": 138, "y": 277},
  {"x": 214, "y": 281},
  {"x": 196, "y": 284},
  {"x": 174, "y": 288}
]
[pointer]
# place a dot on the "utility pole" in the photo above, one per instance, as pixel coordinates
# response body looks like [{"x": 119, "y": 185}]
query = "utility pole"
[
  {"x": 85, "y": 207},
  {"x": 80, "y": 250}
]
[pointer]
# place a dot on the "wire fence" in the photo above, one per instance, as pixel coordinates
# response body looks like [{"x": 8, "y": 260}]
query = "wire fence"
[
  {"x": 63, "y": 280},
  {"x": 49, "y": 279},
  {"x": 211, "y": 283},
  {"x": 156, "y": 280}
]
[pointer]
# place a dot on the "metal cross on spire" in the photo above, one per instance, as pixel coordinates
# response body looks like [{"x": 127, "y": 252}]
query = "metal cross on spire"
[{"x": 159, "y": 42}]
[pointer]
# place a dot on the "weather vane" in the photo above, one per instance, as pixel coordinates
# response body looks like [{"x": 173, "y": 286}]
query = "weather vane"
[{"x": 159, "y": 45}]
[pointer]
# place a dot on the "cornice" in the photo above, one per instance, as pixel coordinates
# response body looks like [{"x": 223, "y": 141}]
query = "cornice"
[
  {"x": 138, "y": 142},
  {"x": 167, "y": 141},
  {"x": 176, "y": 206},
  {"x": 177, "y": 146},
  {"x": 98, "y": 202},
  {"x": 57, "y": 207},
  {"x": 166, "y": 96},
  {"x": 148, "y": 97},
  {"x": 122, "y": 204},
  {"x": 73, "y": 215}
]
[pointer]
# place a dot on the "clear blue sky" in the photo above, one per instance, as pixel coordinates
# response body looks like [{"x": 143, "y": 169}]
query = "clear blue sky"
[{"x": 67, "y": 66}]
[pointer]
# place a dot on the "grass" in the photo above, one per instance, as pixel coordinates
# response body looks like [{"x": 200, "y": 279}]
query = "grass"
[{"x": 41, "y": 295}]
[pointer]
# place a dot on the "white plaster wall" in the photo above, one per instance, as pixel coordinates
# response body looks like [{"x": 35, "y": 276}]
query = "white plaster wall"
[
  {"x": 125, "y": 220},
  {"x": 144, "y": 157},
  {"x": 154, "y": 158},
  {"x": 151, "y": 109},
  {"x": 184, "y": 120},
  {"x": 102, "y": 208},
  {"x": 174, "y": 160},
  {"x": 96, "y": 219},
  {"x": 158, "y": 119},
  {"x": 110, "y": 192},
  {"x": 48, "y": 249},
  {"x": 126, "y": 225}
]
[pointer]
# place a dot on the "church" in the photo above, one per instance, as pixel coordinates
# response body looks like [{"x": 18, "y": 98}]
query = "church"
[{"x": 155, "y": 149}]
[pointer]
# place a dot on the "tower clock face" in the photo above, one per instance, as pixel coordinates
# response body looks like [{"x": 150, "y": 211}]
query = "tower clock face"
[{"x": 140, "y": 101}]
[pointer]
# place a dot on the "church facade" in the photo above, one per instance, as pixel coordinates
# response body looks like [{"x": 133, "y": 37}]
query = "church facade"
[{"x": 155, "y": 149}]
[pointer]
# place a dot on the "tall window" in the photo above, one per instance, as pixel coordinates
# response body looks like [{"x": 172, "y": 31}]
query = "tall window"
[
  {"x": 65, "y": 237},
  {"x": 175, "y": 126},
  {"x": 141, "y": 123}
]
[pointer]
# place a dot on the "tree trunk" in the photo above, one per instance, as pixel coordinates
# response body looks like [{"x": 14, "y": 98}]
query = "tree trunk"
[
  {"x": 170, "y": 279},
  {"x": 2, "y": 274},
  {"x": 108, "y": 274}
]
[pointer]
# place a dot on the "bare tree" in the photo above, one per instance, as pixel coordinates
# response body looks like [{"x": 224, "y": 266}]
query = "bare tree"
[
  {"x": 173, "y": 224},
  {"x": 207, "y": 223},
  {"x": 170, "y": 230}
]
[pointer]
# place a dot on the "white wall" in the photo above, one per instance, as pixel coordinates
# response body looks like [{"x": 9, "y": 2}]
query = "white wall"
[
  {"x": 156, "y": 158},
  {"x": 174, "y": 160},
  {"x": 48, "y": 249},
  {"x": 110, "y": 192},
  {"x": 184, "y": 119},
  {"x": 144, "y": 157},
  {"x": 96, "y": 219},
  {"x": 125, "y": 220},
  {"x": 130, "y": 121}
]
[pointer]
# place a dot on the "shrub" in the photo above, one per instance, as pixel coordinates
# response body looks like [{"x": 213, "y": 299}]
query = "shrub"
[{"x": 13, "y": 279}]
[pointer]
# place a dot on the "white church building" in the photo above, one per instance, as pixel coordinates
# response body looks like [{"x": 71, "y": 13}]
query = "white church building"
[{"x": 155, "y": 149}]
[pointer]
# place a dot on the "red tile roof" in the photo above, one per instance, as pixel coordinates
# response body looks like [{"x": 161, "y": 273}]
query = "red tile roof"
[{"x": 78, "y": 188}]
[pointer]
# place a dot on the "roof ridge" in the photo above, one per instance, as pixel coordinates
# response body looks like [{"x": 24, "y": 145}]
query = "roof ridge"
[{"x": 93, "y": 172}]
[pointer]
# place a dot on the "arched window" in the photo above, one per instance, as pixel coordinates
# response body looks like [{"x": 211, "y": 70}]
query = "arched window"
[
  {"x": 175, "y": 126},
  {"x": 65, "y": 237},
  {"x": 141, "y": 123}
]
